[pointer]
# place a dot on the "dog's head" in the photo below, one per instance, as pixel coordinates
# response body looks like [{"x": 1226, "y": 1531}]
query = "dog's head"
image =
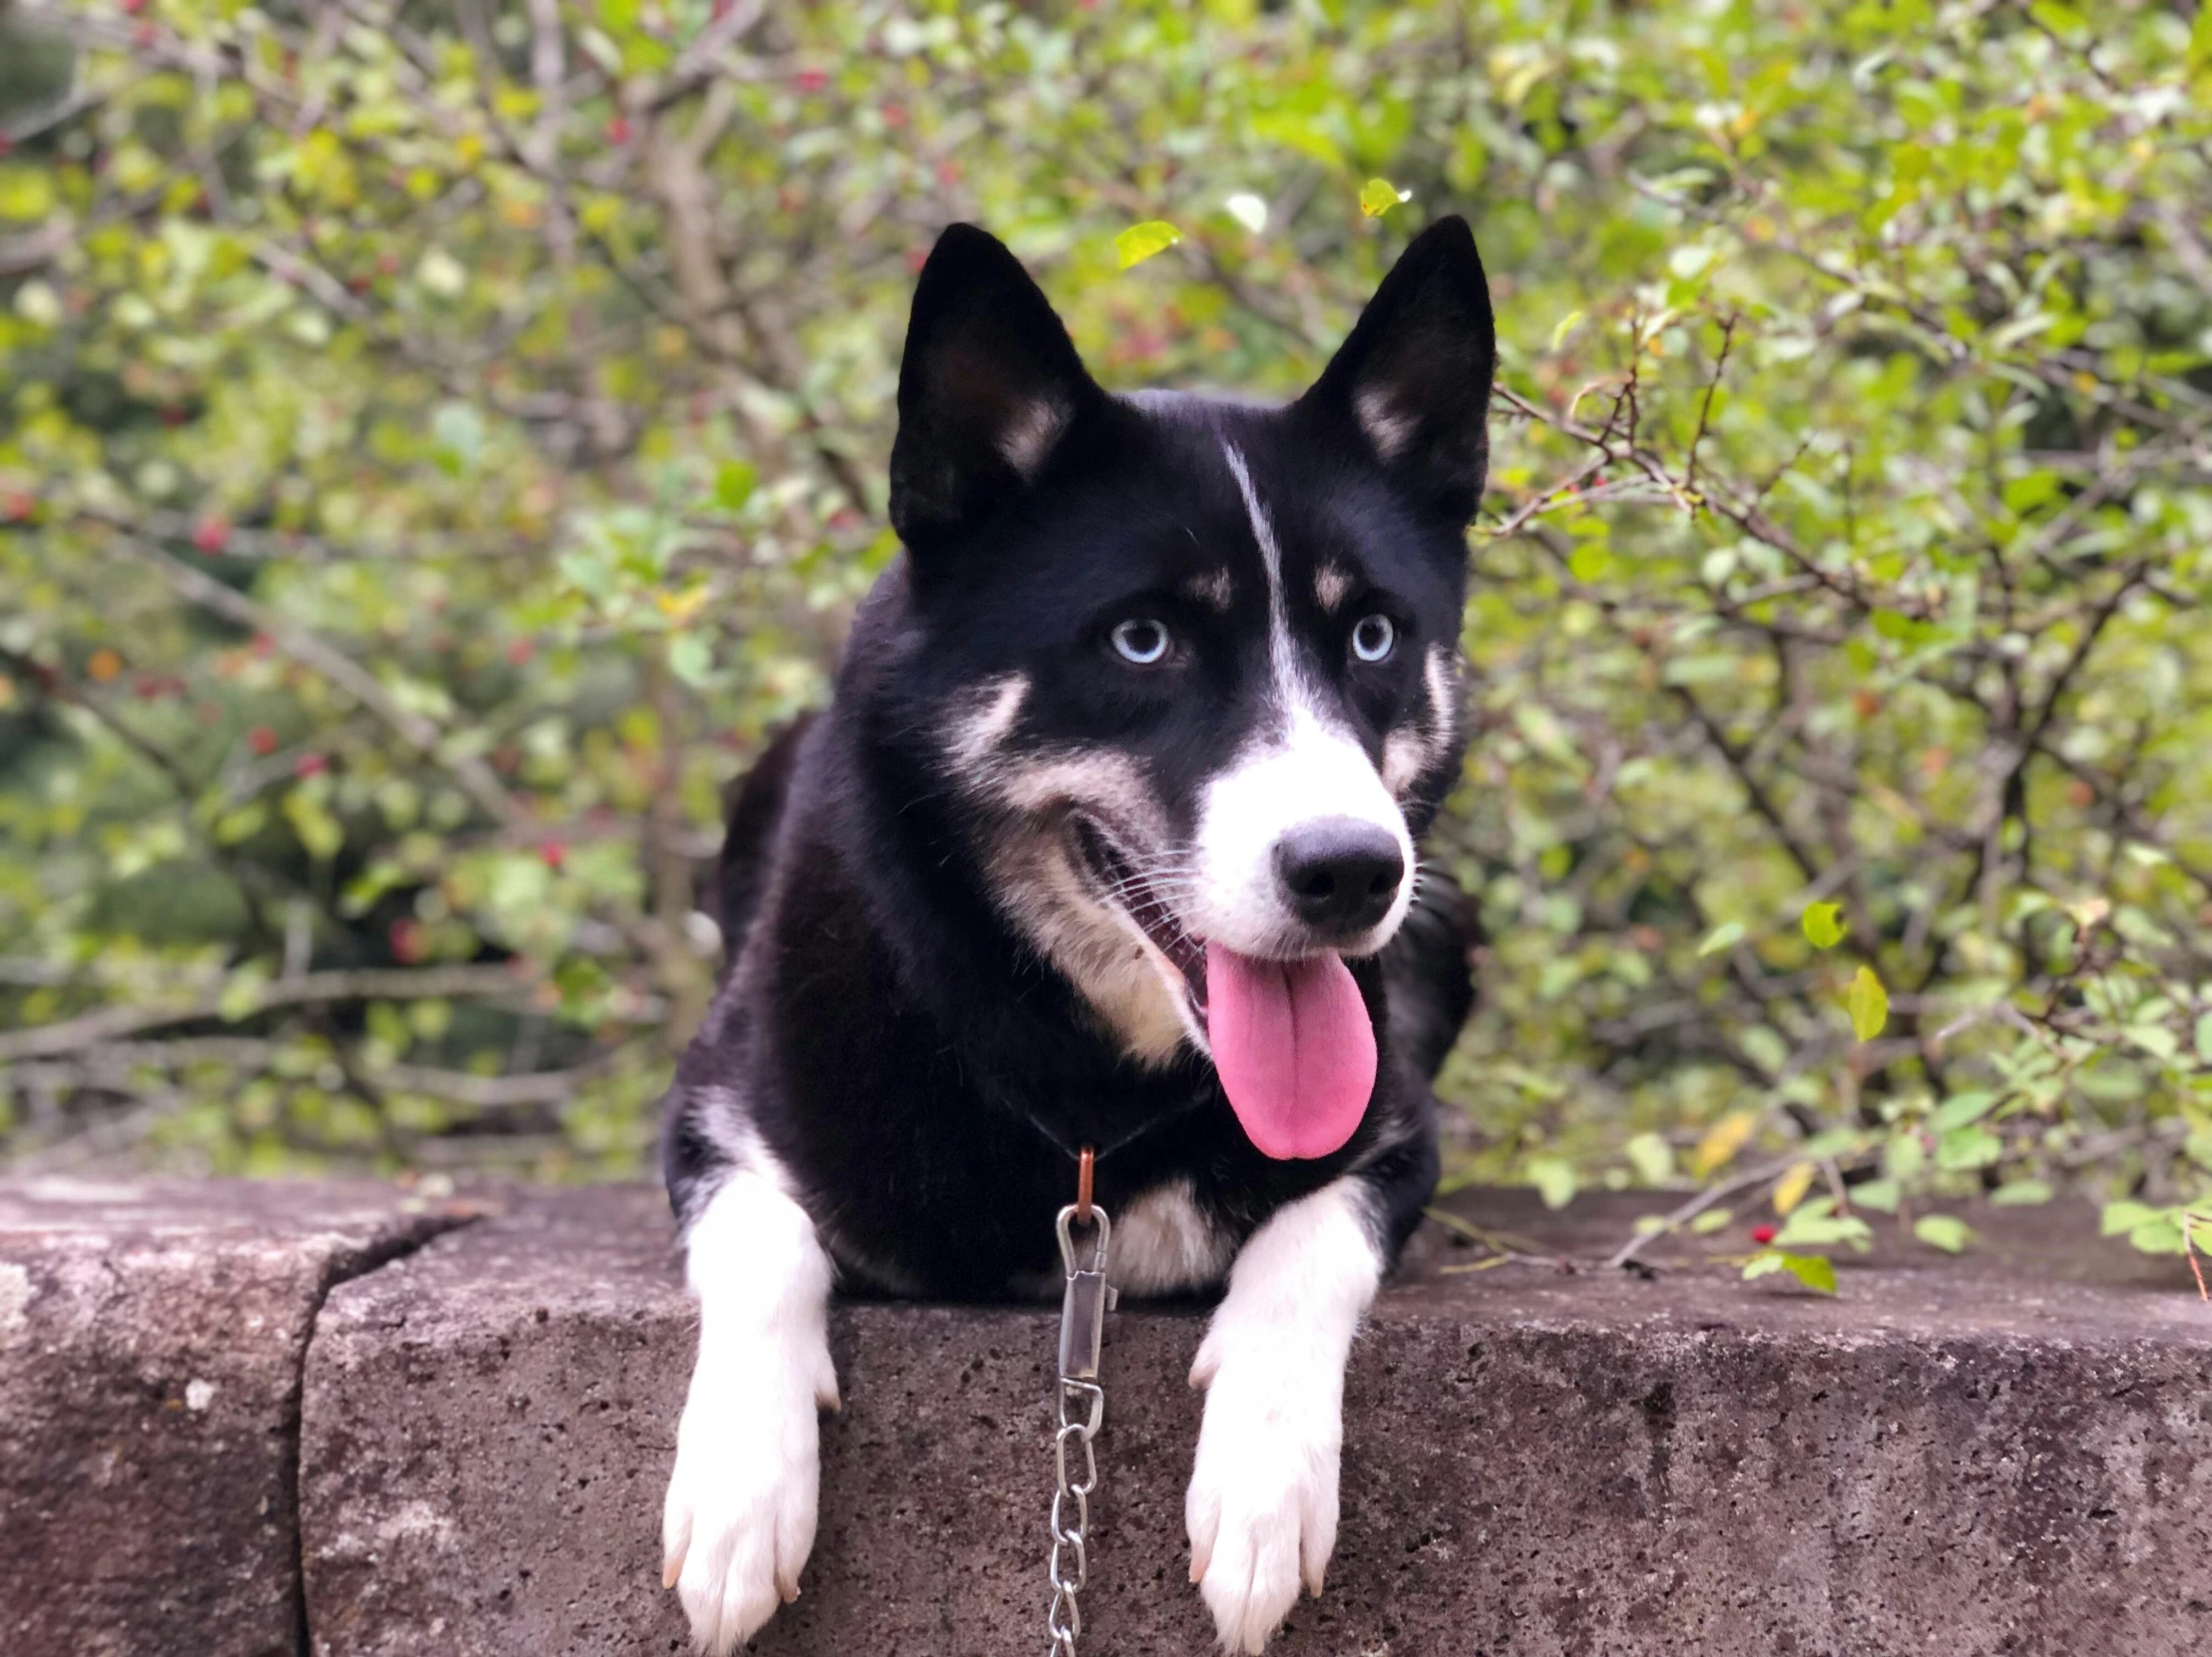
[{"x": 1189, "y": 666}]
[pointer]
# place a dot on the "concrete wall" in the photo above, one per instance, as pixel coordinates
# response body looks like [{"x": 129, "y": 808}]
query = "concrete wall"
[{"x": 444, "y": 1428}]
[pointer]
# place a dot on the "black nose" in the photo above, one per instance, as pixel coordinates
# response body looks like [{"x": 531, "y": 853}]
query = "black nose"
[{"x": 1341, "y": 873}]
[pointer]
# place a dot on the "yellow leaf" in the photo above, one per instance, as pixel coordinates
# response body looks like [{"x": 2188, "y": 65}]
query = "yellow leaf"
[
  {"x": 1822, "y": 923},
  {"x": 1379, "y": 196},
  {"x": 1868, "y": 1004},
  {"x": 1790, "y": 1189},
  {"x": 1140, "y": 241},
  {"x": 1721, "y": 1142}
]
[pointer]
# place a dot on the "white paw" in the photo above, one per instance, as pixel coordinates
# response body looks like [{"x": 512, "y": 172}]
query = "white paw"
[
  {"x": 1263, "y": 1495},
  {"x": 739, "y": 1519}
]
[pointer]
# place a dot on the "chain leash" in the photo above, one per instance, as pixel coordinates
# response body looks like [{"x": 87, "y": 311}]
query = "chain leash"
[{"x": 1081, "y": 1410}]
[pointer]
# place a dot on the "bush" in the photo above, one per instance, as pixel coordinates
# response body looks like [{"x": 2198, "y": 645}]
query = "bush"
[{"x": 438, "y": 442}]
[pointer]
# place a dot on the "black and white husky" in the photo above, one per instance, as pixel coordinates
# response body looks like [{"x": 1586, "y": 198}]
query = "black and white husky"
[{"x": 1105, "y": 840}]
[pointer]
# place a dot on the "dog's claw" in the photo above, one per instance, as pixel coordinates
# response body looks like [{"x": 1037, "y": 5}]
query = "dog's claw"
[{"x": 671, "y": 1570}]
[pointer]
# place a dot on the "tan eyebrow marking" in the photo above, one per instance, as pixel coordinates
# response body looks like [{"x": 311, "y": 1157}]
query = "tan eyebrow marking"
[
  {"x": 1215, "y": 587},
  {"x": 1330, "y": 586}
]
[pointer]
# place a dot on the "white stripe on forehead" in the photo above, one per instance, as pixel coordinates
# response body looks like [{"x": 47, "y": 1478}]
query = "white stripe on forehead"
[{"x": 1282, "y": 657}]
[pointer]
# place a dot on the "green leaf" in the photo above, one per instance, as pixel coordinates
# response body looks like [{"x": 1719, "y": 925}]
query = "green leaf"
[
  {"x": 1762, "y": 1265},
  {"x": 1726, "y": 936},
  {"x": 2022, "y": 1193},
  {"x": 1816, "y": 1271},
  {"x": 1652, "y": 1159},
  {"x": 457, "y": 430},
  {"x": 1807, "y": 1228},
  {"x": 1588, "y": 563},
  {"x": 25, "y": 192},
  {"x": 2121, "y": 1217},
  {"x": 735, "y": 481},
  {"x": 1712, "y": 1220},
  {"x": 1880, "y": 1195},
  {"x": 1961, "y": 1109},
  {"x": 1140, "y": 241},
  {"x": 1553, "y": 1178},
  {"x": 1379, "y": 196},
  {"x": 1869, "y": 1004},
  {"x": 1942, "y": 1231},
  {"x": 1969, "y": 1148},
  {"x": 2160, "y": 1236},
  {"x": 1822, "y": 923},
  {"x": 691, "y": 659}
]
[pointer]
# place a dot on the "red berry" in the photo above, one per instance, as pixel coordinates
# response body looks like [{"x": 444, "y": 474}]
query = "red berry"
[
  {"x": 310, "y": 765},
  {"x": 520, "y": 651},
  {"x": 617, "y": 130},
  {"x": 555, "y": 854},
  {"x": 210, "y": 535},
  {"x": 1762, "y": 1234},
  {"x": 16, "y": 507},
  {"x": 810, "y": 80},
  {"x": 894, "y": 115},
  {"x": 133, "y": 7},
  {"x": 406, "y": 941},
  {"x": 262, "y": 740}
]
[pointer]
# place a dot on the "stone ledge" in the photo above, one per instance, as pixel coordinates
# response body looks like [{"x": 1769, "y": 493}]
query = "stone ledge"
[
  {"x": 2006, "y": 1454},
  {"x": 151, "y": 1341}
]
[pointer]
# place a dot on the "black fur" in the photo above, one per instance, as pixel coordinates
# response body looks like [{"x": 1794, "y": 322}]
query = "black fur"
[{"x": 884, "y": 1031}]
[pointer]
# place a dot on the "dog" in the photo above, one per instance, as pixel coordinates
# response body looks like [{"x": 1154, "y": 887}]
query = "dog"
[{"x": 1105, "y": 840}]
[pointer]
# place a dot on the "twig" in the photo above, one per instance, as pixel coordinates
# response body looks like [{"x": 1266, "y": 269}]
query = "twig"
[
  {"x": 112, "y": 1022},
  {"x": 1628, "y": 1252}
]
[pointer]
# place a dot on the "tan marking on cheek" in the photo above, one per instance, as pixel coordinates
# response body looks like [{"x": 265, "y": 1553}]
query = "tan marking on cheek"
[
  {"x": 1331, "y": 585},
  {"x": 1108, "y": 783},
  {"x": 1213, "y": 589},
  {"x": 1444, "y": 713},
  {"x": 1405, "y": 757},
  {"x": 984, "y": 724},
  {"x": 1412, "y": 749}
]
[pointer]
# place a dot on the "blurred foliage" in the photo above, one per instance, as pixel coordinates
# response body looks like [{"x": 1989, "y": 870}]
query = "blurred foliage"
[{"x": 437, "y": 441}]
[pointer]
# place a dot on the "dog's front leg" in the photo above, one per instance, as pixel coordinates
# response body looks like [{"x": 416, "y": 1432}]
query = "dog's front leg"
[
  {"x": 1263, "y": 1495},
  {"x": 739, "y": 1519}
]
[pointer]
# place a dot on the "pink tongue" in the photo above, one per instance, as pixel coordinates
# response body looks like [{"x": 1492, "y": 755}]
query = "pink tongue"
[{"x": 1294, "y": 1048}]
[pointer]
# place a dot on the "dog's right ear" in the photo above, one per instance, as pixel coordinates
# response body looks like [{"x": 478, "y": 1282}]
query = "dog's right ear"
[{"x": 989, "y": 383}]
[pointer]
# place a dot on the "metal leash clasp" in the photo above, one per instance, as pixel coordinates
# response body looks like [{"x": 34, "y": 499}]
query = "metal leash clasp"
[
  {"x": 1087, "y": 1301},
  {"x": 1081, "y": 1410}
]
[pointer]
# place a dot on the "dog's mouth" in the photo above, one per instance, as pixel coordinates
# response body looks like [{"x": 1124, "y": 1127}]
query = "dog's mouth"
[{"x": 1291, "y": 1040}]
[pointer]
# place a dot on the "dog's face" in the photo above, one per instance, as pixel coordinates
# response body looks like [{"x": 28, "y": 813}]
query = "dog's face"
[{"x": 1189, "y": 666}]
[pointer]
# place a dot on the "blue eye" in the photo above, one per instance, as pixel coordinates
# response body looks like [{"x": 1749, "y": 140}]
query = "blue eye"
[
  {"x": 1372, "y": 637},
  {"x": 1141, "y": 641}
]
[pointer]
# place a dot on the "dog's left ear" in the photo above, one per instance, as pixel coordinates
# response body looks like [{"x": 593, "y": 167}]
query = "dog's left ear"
[
  {"x": 989, "y": 383},
  {"x": 1415, "y": 375}
]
